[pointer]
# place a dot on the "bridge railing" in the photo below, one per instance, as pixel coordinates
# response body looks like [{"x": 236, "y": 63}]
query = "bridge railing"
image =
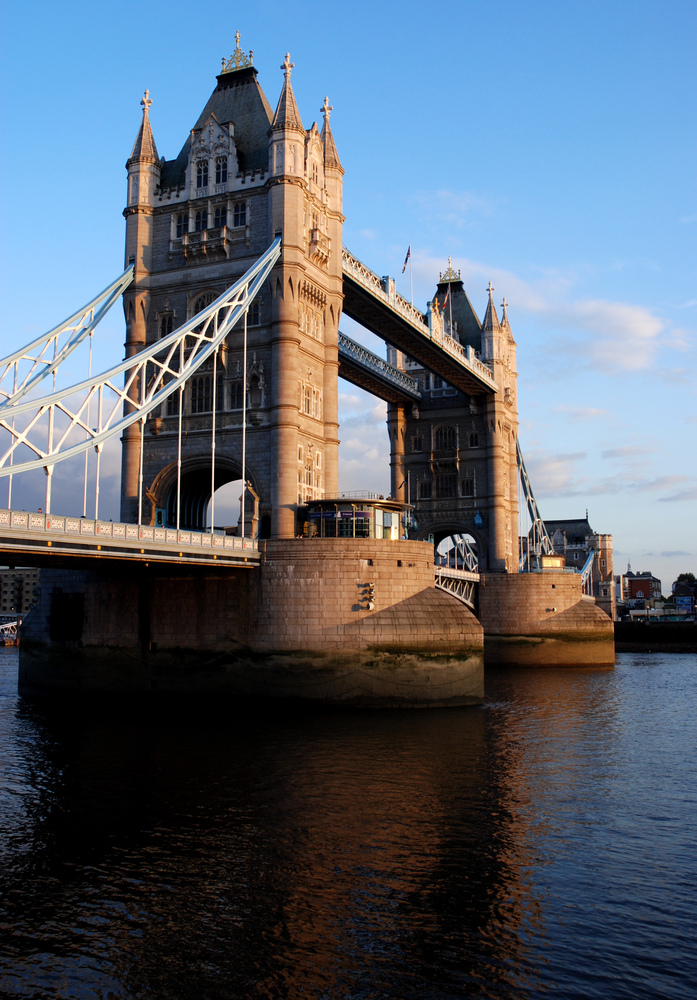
[
  {"x": 27, "y": 523},
  {"x": 349, "y": 348}
]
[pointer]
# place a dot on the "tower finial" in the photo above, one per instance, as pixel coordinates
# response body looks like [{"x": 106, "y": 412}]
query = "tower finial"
[
  {"x": 490, "y": 289},
  {"x": 287, "y": 66},
  {"x": 238, "y": 59},
  {"x": 504, "y": 310},
  {"x": 326, "y": 109},
  {"x": 146, "y": 102},
  {"x": 451, "y": 274}
]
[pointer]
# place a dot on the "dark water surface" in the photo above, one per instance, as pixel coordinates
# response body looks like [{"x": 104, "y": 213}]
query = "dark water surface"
[{"x": 543, "y": 845}]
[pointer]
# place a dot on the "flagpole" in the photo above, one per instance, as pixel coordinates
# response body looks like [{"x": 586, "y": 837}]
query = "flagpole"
[{"x": 411, "y": 278}]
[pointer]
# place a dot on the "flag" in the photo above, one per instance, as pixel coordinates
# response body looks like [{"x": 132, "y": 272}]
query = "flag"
[
  {"x": 406, "y": 259},
  {"x": 445, "y": 300}
]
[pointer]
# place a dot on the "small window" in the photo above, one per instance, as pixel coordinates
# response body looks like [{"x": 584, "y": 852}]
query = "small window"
[
  {"x": 202, "y": 174},
  {"x": 468, "y": 487},
  {"x": 417, "y": 444},
  {"x": 474, "y": 440},
  {"x": 202, "y": 301},
  {"x": 182, "y": 225},
  {"x": 425, "y": 491},
  {"x": 240, "y": 214},
  {"x": 221, "y": 170},
  {"x": 308, "y": 400},
  {"x": 446, "y": 486},
  {"x": 315, "y": 173},
  {"x": 236, "y": 396},
  {"x": 166, "y": 325},
  {"x": 173, "y": 404},
  {"x": 446, "y": 439},
  {"x": 220, "y": 218},
  {"x": 201, "y": 399},
  {"x": 201, "y": 221},
  {"x": 254, "y": 313}
]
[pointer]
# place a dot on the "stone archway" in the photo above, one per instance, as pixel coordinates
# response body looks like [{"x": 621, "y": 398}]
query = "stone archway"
[
  {"x": 443, "y": 532},
  {"x": 195, "y": 490}
]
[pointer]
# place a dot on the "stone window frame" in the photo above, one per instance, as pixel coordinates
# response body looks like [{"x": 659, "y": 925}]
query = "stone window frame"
[
  {"x": 220, "y": 217},
  {"x": 239, "y": 215},
  {"x": 201, "y": 221},
  {"x": 202, "y": 172},
  {"x": 221, "y": 170},
  {"x": 181, "y": 225},
  {"x": 441, "y": 442}
]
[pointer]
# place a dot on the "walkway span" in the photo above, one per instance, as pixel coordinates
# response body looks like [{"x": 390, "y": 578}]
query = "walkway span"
[{"x": 375, "y": 304}]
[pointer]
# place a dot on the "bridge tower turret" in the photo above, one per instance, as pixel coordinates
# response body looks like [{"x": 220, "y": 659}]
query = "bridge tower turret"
[
  {"x": 498, "y": 351},
  {"x": 198, "y": 222},
  {"x": 143, "y": 168}
]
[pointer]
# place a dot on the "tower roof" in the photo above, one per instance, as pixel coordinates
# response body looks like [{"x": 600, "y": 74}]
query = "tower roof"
[
  {"x": 505, "y": 325},
  {"x": 144, "y": 147},
  {"x": 469, "y": 329},
  {"x": 331, "y": 156},
  {"x": 491, "y": 319},
  {"x": 287, "y": 114}
]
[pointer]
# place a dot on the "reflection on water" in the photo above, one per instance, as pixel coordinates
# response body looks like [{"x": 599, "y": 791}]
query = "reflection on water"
[{"x": 537, "y": 845}]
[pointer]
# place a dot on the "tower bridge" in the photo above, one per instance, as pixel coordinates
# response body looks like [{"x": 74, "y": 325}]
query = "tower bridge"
[{"x": 235, "y": 281}]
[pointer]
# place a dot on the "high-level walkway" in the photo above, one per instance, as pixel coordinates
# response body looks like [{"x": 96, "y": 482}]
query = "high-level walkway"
[{"x": 375, "y": 304}]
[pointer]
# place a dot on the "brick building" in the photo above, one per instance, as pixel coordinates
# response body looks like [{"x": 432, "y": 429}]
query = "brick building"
[{"x": 575, "y": 540}]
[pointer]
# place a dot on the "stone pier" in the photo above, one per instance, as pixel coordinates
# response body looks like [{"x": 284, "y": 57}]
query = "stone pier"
[{"x": 349, "y": 621}]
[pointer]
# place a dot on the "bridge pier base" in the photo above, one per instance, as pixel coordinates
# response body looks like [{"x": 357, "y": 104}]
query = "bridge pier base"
[
  {"x": 543, "y": 619},
  {"x": 347, "y": 621}
]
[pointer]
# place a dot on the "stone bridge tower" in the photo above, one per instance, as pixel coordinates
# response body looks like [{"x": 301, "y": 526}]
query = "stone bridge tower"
[
  {"x": 454, "y": 456},
  {"x": 194, "y": 225}
]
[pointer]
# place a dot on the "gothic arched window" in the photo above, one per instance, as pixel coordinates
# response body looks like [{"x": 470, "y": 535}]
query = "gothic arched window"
[
  {"x": 240, "y": 214},
  {"x": 202, "y": 301},
  {"x": 202, "y": 174},
  {"x": 182, "y": 225},
  {"x": 166, "y": 324},
  {"x": 220, "y": 218},
  {"x": 201, "y": 221},
  {"x": 221, "y": 170},
  {"x": 446, "y": 438}
]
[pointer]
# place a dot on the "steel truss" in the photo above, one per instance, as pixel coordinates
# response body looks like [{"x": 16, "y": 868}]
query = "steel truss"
[
  {"x": 461, "y": 579},
  {"x": 25, "y": 368},
  {"x": 538, "y": 540},
  {"x": 57, "y": 427}
]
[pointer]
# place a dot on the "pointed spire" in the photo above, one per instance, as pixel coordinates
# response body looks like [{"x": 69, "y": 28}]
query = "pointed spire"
[
  {"x": 331, "y": 156},
  {"x": 144, "y": 147},
  {"x": 504, "y": 313},
  {"x": 287, "y": 114},
  {"x": 491, "y": 320}
]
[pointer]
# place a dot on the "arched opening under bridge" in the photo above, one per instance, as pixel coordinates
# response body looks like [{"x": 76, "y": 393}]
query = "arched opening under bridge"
[
  {"x": 195, "y": 496},
  {"x": 458, "y": 550}
]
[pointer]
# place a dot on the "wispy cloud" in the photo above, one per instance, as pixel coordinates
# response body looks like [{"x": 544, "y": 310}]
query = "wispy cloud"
[
  {"x": 627, "y": 451},
  {"x": 580, "y": 413}
]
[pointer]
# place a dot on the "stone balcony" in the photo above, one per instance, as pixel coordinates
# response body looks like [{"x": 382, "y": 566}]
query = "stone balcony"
[
  {"x": 319, "y": 247},
  {"x": 207, "y": 244}
]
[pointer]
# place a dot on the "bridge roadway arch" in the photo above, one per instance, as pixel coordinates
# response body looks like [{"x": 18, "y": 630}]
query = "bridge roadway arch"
[{"x": 196, "y": 483}]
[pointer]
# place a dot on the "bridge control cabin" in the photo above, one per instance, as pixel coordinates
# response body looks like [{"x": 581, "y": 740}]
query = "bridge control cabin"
[{"x": 347, "y": 517}]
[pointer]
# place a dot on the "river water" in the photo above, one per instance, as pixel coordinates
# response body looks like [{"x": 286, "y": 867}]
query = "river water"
[{"x": 541, "y": 845}]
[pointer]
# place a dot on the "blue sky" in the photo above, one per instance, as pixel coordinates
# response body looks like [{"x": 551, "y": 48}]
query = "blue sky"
[{"x": 546, "y": 146}]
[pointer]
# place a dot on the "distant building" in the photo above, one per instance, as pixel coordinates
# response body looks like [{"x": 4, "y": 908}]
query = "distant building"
[
  {"x": 20, "y": 590},
  {"x": 638, "y": 591},
  {"x": 684, "y": 597},
  {"x": 575, "y": 540}
]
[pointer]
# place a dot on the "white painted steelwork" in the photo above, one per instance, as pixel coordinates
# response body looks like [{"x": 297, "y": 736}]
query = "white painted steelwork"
[
  {"x": 538, "y": 540},
  {"x": 460, "y": 583},
  {"x": 51, "y": 424},
  {"x": 587, "y": 574},
  {"x": 22, "y": 370}
]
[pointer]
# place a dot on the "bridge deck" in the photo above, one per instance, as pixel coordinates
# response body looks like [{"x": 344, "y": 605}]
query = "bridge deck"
[
  {"x": 39, "y": 538},
  {"x": 396, "y": 321}
]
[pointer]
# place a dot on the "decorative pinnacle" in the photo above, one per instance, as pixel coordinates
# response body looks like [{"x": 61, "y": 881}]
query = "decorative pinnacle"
[
  {"x": 287, "y": 66},
  {"x": 450, "y": 274},
  {"x": 238, "y": 59},
  {"x": 490, "y": 290},
  {"x": 146, "y": 102},
  {"x": 326, "y": 109}
]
